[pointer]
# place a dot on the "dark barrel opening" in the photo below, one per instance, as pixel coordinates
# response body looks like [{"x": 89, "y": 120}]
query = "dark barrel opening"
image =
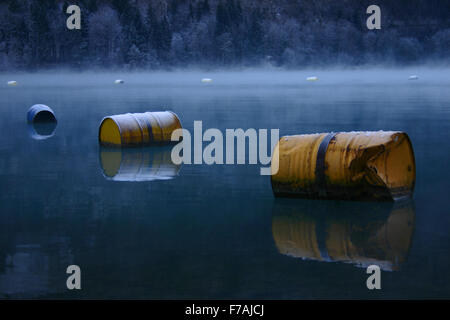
[
  {"x": 45, "y": 129},
  {"x": 42, "y": 130},
  {"x": 44, "y": 117}
]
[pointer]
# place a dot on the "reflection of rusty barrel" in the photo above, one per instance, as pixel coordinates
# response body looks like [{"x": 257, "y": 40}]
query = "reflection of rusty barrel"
[
  {"x": 138, "y": 129},
  {"x": 346, "y": 165},
  {"x": 142, "y": 164},
  {"x": 309, "y": 231}
]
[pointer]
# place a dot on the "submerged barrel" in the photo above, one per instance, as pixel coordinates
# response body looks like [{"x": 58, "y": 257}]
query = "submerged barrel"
[
  {"x": 40, "y": 113},
  {"x": 376, "y": 166},
  {"x": 353, "y": 232},
  {"x": 139, "y": 164},
  {"x": 138, "y": 129}
]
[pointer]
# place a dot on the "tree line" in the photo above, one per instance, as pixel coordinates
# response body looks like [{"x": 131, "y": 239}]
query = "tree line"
[{"x": 163, "y": 34}]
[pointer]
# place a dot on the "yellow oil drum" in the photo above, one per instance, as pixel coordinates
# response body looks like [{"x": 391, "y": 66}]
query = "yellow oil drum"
[
  {"x": 138, "y": 129},
  {"x": 138, "y": 164},
  {"x": 346, "y": 165},
  {"x": 364, "y": 235}
]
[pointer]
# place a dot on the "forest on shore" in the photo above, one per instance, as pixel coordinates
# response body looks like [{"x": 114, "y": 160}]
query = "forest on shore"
[{"x": 165, "y": 34}]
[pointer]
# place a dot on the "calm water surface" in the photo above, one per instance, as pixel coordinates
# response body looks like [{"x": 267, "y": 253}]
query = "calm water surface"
[{"x": 199, "y": 231}]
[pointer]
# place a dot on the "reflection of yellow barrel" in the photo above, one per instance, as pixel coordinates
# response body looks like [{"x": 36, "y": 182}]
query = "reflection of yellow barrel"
[
  {"x": 311, "y": 232},
  {"x": 346, "y": 165},
  {"x": 142, "y": 164},
  {"x": 138, "y": 129}
]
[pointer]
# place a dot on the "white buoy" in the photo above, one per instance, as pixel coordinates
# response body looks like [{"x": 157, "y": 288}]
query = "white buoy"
[
  {"x": 12, "y": 83},
  {"x": 206, "y": 80},
  {"x": 312, "y": 79},
  {"x": 413, "y": 77},
  {"x": 119, "y": 81}
]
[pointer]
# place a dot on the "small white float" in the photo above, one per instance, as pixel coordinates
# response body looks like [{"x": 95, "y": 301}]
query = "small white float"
[
  {"x": 312, "y": 78},
  {"x": 119, "y": 81},
  {"x": 207, "y": 80},
  {"x": 12, "y": 83},
  {"x": 413, "y": 77}
]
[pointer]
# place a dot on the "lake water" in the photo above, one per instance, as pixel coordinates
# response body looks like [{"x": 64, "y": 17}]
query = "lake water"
[{"x": 216, "y": 231}]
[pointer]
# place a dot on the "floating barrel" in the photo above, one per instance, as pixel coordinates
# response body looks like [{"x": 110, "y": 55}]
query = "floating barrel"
[
  {"x": 40, "y": 113},
  {"x": 346, "y": 165},
  {"x": 350, "y": 232},
  {"x": 140, "y": 164},
  {"x": 138, "y": 129}
]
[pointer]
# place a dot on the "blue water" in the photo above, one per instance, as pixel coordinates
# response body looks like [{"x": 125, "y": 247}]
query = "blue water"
[{"x": 216, "y": 231}]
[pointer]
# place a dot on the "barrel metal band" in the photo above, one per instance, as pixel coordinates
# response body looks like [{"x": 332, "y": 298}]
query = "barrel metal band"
[
  {"x": 320, "y": 164},
  {"x": 149, "y": 128},
  {"x": 321, "y": 236},
  {"x": 139, "y": 125},
  {"x": 160, "y": 126}
]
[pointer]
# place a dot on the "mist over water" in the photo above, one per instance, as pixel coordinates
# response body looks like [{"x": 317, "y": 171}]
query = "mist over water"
[
  {"x": 236, "y": 78},
  {"x": 216, "y": 231}
]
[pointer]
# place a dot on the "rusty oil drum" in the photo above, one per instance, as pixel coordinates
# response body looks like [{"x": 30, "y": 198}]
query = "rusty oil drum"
[
  {"x": 377, "y": 166},
  {"x": 138, "y": 129}
]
